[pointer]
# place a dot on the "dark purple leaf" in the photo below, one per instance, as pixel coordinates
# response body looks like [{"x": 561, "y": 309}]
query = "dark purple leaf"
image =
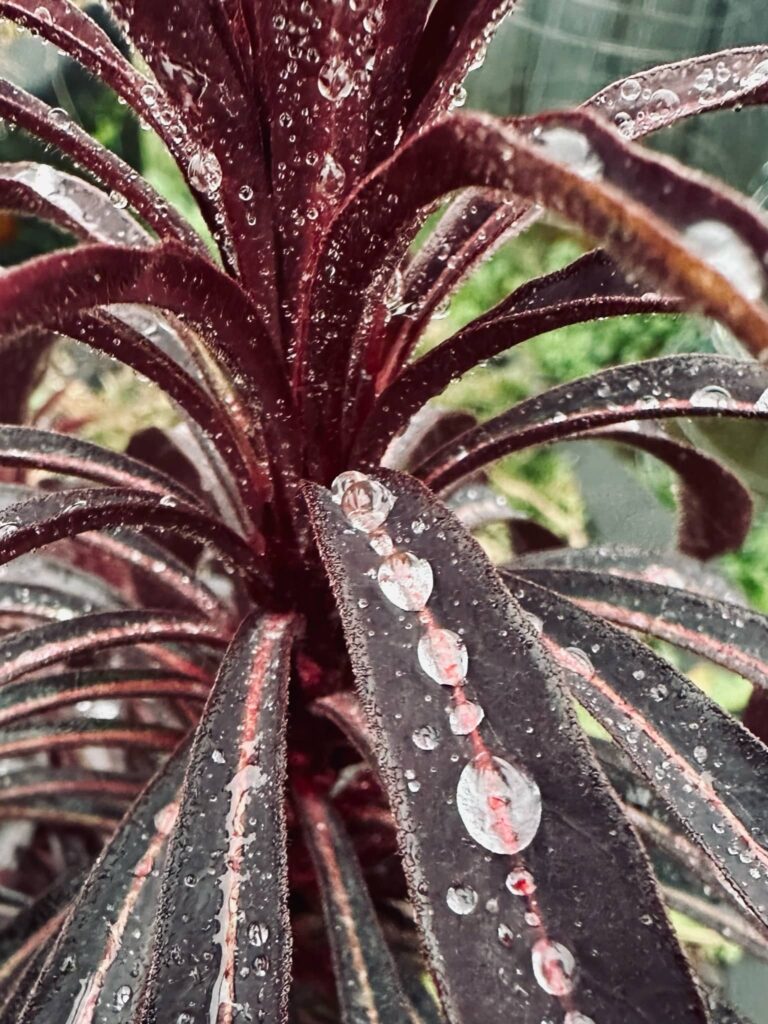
[
  {"x": 44, "y": 645},
  {"x": 345, "y": 711},
  {"x": 233, "y": 915},
  {"x": 667, "y": 568},
  {"x": 50, "y": 517},
  {"x": 588, "y": 289},
  {"x": 75, "y": 206},
  {"x": 367, "y": 983},
  {"x": 63, "y": 453},
  {"x": 728, "y": 634},
  {"x": 34, "y": 696},
  {"x": 107, "y": 934},
  {"x": 50, "y": 737},
  {"x": 32, "y": 783},
  {"x": 41, "y": 602},
  {"x": 665, "y": 94},
  {"x": 703, "y": 763},
  {"x": 20, "y": 108},
  {"x": 429, "y": 429},
  {"x": 671, "y": 386},
  {"x": 560, "y": 816},
  {"x": 715, "y": 507}
]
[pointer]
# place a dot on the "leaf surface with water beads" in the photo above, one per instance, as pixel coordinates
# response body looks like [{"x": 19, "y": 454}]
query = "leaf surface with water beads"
[
  {"x": 728, "y": 634},
  {"x": 670, "y": 386},
  {"x": 366, "y": 977},
  {"x": 413, "y": 588},
  {"x": 703, "y": 763},
  {"x": 100, "y": 956},
  {"x": 223, "y": 939}
]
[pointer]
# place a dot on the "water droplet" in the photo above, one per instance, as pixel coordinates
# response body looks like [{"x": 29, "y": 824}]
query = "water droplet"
[
  {"x": 718, "y": 245},
  {"x": 553, "y": 967},
  {"x": 662, "y": 100},
  {"x": 343, "y": 481},
  {"x": 8, "y": 529},
  {"x": 570, "y": 147},
  {"x": 246, "y": 193},
  {"x": 149, "y": 94},
  {"x": 659, "y": 692},
  {"x": 505, "y": 934},
  {"x": 381, "y": 543},
  {"x": 60, "y": 117},
  {"x": 406, "y": 580},
  {"x": 499, "y": 806},
  {"x": 520, "y": 882},
  {"x": 442, "y": 654},
  {"x": 366, "y": 504},
  {"x": 465, "y": 717},
  {"x": 335, "y": 80},
  {"x": 761, "y": 405},
  {"x": 584, "y": 661},
  {"x": 630, "y": 90},
  {"x": 757, "y": 76},
  {"x": 204, "y": 171},
  {"x": 218, "y": 757},
  {"x": 118, "y": 200},
  {"x": 258, "y": 933},
  {"x": 574, "y": 1017},
  {"x": 123, "y": 996},
  {"x": 425, "y": 737},
  {"x": 700, "y": 754},
  {"x": 44, "y": 15},
  {"x": 332, "y": 177},
  {"x": 711, "y": 397},
  {"x": 461, "y": 899}
]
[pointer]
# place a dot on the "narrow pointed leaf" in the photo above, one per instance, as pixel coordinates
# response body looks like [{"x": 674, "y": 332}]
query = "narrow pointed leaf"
[
  {"x": 670, "y": 386},
  {"x": 233, "y": 915},
  {"x": 20, "y": 741},
  {"x": 427, "y": 768},
  {"x": 115, "y": 907},
  {"x": 588, "y": 289},
  {"x": 703, "y": 763},
  {"x": 728, "y": 634},
  {"x": 366, "y": 977},
  {"x": 44, "y": 645}
]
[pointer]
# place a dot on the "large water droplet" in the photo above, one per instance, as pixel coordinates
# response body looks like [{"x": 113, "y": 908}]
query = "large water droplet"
[
  {"x": 499, "y": 805},
  {"x": 332, "y": 177},
  {"x": 711, "y": 397},
  {"x": 343, "y": 481},
  {"x": 425, "y": 737},
  {"x": 442, "y": 654},
  {"x": 406, "y": 580},
  {"x": 569, "y": 147},
  {"x": 553, "y": 967},
  {"x": 465, "y": 717},
  {"x": 204, "y": 171},
  {"x": 719, "y": 246},
  {"x": 757, "y": 76},
  {"x": 366, "y": 503},
  {"x": 258, "y": 933},
  {"x": 335, "y": 80},
  {"x": 461, "y": 899},
  {"x": 630, "y": 90},
  {"x": 123, "y": 996},
  {"x": 574, "y": 1017}
]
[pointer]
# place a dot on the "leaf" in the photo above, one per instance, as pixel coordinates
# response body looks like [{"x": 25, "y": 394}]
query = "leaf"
[
  {"x": 587, "y": 289},
  {"x": 63, "y": 453},
  {"x": 38, "y": 695},
  {"x": 726, "y": 633},
  {"x": 224, "y": 889},
  {"x": 427, "y": 768},
  {"x": 715, "y": 507},
  {"x": 100, "y": 955},
  {"x": 367, "y": 983},
  {"x": 664, "y": 95},
  {"x": 478, "y": 505},
  {"x": 19, "y": 741},
  {"x": 670, "y": 386},
  {"x": 35, "y": 648},
  {"x": 104, "y": 787},
  {"x": 702, "y": 763},
  {"x": 20, "y": 108},
  {"x": 49, "y": 517}
]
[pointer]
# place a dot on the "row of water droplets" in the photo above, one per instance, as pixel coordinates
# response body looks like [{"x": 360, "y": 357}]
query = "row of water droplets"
[{"x": 499, "y": 805}]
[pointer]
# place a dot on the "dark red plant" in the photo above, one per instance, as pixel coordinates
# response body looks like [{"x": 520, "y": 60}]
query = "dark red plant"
[{"x": 325, "y": 703}]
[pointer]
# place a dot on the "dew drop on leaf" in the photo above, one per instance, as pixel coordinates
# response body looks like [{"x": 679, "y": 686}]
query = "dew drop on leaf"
[
  {"x": 520, "y": 882},
  {"x": 574, "y": 1017},
  {"x": 718, "y": 245},
  {"x": 711, "y": 397},
  {"x": 335, "y": 80},
  {"x": 122, "y": 997},
  {"x": 366, "y": 504},
  {"x": 425, "y": 737},
  {"x": 630, "y": 90},
  {"x": 465, "y": 717},
  {"x": 258, "y": 933},
  {"x": 757, "y": 76},
  {"x": 204, "y": 171},
  {"x": 406, "y": 580},
  {"x": 499, "y": 805},
  {"x": 461, "y": 899},
  {"x": 571, "y": 148},
  {"x": 332, "y": 177},
  {"x": 343, "y": 481},
  {"x": 553, "y": 967},
  {"x": 442, "y": 654}
]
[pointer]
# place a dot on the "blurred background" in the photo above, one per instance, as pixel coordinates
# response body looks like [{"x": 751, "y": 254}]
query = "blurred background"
[{"x": 551, "y": 53}]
